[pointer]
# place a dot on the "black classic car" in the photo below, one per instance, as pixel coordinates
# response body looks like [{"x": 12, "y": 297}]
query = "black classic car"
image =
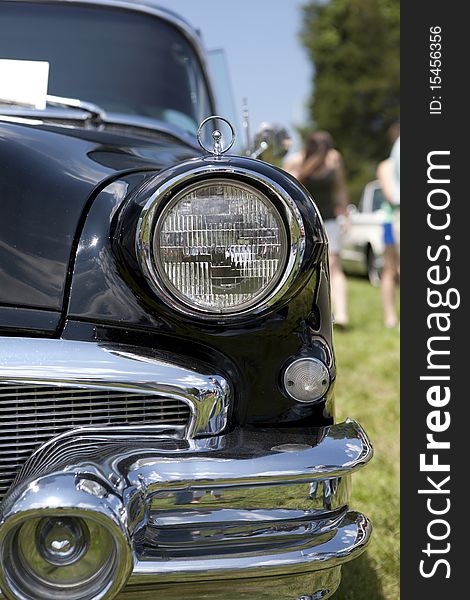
[{"x": 167, "y": 371}]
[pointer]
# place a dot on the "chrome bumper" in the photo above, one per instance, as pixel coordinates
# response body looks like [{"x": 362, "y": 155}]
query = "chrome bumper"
[{"x": 249, "y": 513}]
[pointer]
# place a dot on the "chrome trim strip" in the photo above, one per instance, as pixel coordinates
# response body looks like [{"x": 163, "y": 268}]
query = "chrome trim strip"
[
  {"x": 147, "y": 222},
  {"x": 314, "y": 585},
  {"x": 254, "y": 459},
  {"x": 240, "y": 458},
  {"x": 347, "y": 541},
  {"x": 99, "y": 365}
]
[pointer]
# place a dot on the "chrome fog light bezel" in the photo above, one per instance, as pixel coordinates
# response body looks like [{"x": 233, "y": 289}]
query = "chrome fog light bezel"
[
  {"x": 17, "y": 580},
  {"x": 165, "y": 194}
]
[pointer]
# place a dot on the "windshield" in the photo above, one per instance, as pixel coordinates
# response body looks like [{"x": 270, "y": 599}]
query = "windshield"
[{"x": 125, "y": 62}]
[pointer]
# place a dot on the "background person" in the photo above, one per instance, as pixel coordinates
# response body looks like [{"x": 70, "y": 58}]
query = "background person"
[
  {"x": 388, "y": 174},
  {"x": 320, "y": 168}
]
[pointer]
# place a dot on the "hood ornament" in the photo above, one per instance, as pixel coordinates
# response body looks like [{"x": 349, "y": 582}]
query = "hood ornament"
[{"x": 217, "y": 149}]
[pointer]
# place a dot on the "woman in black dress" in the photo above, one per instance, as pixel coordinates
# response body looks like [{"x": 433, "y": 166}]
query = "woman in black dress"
[{"x": 320, "y": 168}]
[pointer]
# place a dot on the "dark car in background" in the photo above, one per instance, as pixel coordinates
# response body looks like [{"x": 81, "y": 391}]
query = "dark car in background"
[{"x": 167, "y": 371}]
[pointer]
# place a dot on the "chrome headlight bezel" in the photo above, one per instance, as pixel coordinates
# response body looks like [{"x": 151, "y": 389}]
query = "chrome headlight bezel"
[{"x": 165, "y": 195}]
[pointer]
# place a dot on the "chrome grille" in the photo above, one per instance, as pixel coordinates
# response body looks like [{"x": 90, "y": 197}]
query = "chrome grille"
[{"x": 32, "y": 414}]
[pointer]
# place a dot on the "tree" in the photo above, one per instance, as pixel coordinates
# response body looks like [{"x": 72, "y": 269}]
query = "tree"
[{"x": 354, "y": 47}]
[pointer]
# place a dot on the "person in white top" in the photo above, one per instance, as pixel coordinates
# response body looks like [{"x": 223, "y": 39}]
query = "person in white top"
[{"x": 388, "y": 174}]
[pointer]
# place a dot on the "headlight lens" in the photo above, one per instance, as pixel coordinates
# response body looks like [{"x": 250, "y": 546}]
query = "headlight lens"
[{"x": 220, "y": 246}]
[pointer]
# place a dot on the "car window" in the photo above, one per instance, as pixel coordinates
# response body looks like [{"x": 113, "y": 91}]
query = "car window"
[
  {"x": 378, "y": 199},
  {"x": 125, "y": 62}
]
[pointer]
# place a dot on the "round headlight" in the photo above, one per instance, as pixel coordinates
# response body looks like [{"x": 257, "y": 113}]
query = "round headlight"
[{"x": 220, "y": 246}]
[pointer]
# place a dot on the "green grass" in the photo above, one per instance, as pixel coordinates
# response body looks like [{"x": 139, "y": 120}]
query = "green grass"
[{"x": 367, "y": 389}]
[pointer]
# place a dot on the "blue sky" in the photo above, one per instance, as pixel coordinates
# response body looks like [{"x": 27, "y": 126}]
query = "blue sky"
[{"x": 266, "y": 61}]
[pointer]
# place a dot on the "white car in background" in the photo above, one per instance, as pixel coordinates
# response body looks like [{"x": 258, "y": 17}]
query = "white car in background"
[{"x": 363, "y": 243}]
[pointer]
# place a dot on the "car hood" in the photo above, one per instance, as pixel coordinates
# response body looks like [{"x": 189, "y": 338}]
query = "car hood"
[{"x": 49, "y": 176}]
